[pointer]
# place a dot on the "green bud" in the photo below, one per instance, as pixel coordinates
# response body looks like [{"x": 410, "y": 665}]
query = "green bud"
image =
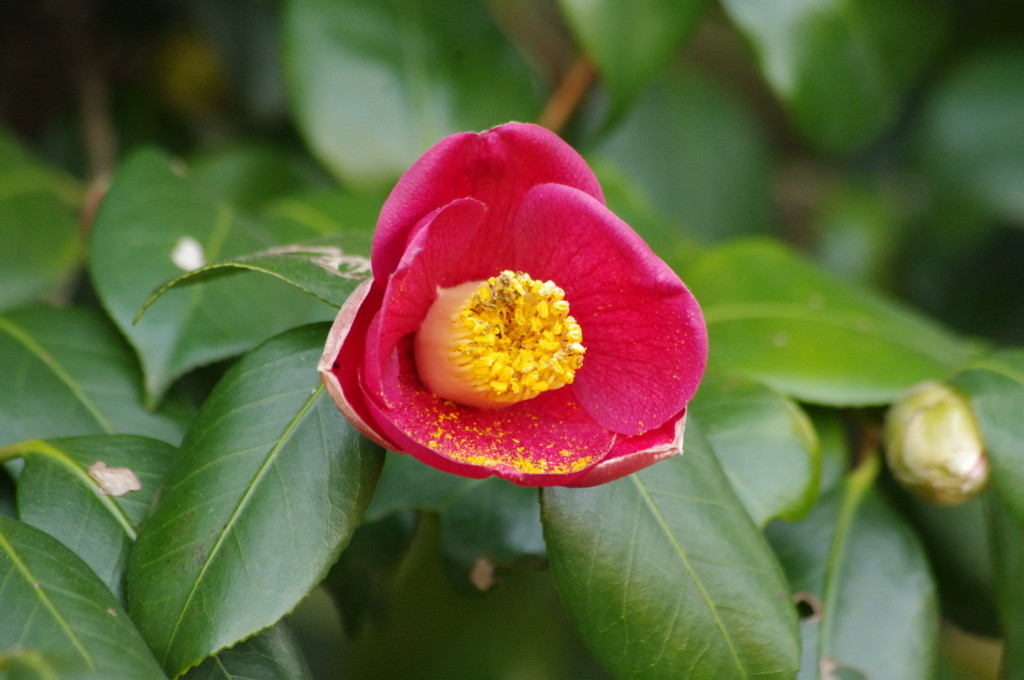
[{"x": 934, "y": 447}]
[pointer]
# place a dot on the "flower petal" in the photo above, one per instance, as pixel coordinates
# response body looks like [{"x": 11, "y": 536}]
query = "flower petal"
[
  {"x": 340, "y": 364},
  {"x": 432, "y": 257},
  {"x": 541, "y": 442},
  {"x": 630, "y": 454},
  {"x": 644, "y": 332},
  {"x": 496, "y": 167}
]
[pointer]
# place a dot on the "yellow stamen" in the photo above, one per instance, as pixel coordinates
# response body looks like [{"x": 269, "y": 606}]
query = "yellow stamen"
[{"x": 497, "y": 342}]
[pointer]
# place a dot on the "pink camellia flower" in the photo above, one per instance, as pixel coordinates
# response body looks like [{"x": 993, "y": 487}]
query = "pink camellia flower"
[{"x": 514, "y": 326}]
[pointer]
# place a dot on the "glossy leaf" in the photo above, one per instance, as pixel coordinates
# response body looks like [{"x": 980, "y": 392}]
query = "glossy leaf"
[
  {"x": 274, "y": 654},
  {"x": 488, "y": 517},
  {"x": 765, "y": 444},
  {"x": 867, "y": 575},
  {"x": 56, "y": 606},
  {"x": 995, "y": 387},
  {"x": 1007, "y": 540},
  {"x": 842, "y": 69},
  {"x": 421, "y": 71},
  {"x": 629, "y": 41},
  {"x": 57, "y": 494},
  {"x": 329, "y": 268},
  {"x": 972, "y": 140},
  {"x": 774, "y": 317},
  {"x": 67, "y": 372},
  {"x": 698, "y": 155},
  {"x": 155, "y": 224},
  {"x": 40, "y": 227},
  {"x": 664, "y": 575},
  {"x": 268, "y": 487}
]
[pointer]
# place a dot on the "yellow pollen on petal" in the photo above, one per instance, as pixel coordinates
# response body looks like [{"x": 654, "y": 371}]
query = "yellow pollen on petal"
[{"x": 494, "y": 343}]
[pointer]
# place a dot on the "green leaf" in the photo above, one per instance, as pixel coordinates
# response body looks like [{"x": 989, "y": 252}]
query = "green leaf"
[
  {"x": 698, "y": 155},
  {"x": 1007, "y": 540},
  {"x": 959, "y": 553},
  {"x": 765, "y": 444},
  {"x": 995, "y": 386},
  {"x": 362, "y": 582},
  {"x": 251, "y": 176},
  {"x": 155, "y": 224},
  {"x": 630, "y": 42},
  {"x": 834, "y": 446},
  {"x": 489, "y": 518},
  {"x": 972, "y": 139},
  {"x": 774, "y": 317},
  {"x": 625, "y": 198},
  {"x": 57, "y": 494},
  {"x": 68, "y": 372},
  {"x": 274, "y": 654},
  {"x": 420, "y": 76},
  {"x": 842, "y": 69},
  {"x": 868, "y": 579},
  {"x": 664, "y": 575},
  {"x": 327, "y": 268},
  {"x": 327, "y": 212},
  {"x": 269, "y": 485},
  {"x": 56, "y": 606},
  {"x": 29, "y": 664},
  {"x": 38, "y": 211},
  {"x": 859, "y": 231}
]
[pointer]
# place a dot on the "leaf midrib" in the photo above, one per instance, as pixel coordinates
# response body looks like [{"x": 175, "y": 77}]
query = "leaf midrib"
[
  {"x": 239, "y": 508},
  {"x": 22, "y": 336},
  {"x": 37, "y": 587},
  {"x": 43, "y": 448},
  {"x": 656, "y": 512}
]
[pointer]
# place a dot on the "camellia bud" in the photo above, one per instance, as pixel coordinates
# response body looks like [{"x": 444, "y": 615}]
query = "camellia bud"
[{"x": 934, "y": 447}]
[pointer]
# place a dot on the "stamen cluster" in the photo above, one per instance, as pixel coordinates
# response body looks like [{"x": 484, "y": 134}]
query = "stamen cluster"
[{"x": 515, "y": 338}]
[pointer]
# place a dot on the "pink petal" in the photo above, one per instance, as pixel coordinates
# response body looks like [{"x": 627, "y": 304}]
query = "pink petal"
[
  {"x": 342, "y": 357},
  {"x": 544, "y": 441},
  {"x": 433, "y": 257},
  {"x": 644, "y": 332},
  {"x": 630, "y": 454},
  {"x": 496, "y": 167}
]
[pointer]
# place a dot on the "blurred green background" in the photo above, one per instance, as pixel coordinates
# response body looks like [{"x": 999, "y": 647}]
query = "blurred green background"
[{"x": 883, "y": 138}]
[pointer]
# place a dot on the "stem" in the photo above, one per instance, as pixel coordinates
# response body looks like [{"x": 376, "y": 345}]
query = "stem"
[
  {"x": 567, "y": 95},
  {"x": 97, "y": 124}
]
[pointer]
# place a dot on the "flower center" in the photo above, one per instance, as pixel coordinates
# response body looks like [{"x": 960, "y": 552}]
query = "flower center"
[{"x": 497, "y": 342}]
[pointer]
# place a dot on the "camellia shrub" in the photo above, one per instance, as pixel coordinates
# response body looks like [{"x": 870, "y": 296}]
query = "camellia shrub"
[{"x": 512, "y": 339}]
